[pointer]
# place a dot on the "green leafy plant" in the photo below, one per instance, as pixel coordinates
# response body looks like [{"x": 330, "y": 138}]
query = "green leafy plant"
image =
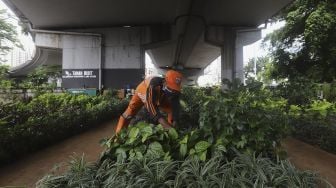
[
  {"x": 48, "y": 118},
  {"x": 234, "y": 143},
  {"x": 246, "y": 117},
  {"x": 242, "y": 171}
]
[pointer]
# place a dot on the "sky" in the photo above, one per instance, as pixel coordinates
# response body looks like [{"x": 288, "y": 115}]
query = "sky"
[{"x": 255, "y": 49}]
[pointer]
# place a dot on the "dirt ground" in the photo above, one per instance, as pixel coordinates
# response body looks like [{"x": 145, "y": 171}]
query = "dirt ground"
[
  {"x": 307, "y": 157},
  {"x": 27, "y": 171}
]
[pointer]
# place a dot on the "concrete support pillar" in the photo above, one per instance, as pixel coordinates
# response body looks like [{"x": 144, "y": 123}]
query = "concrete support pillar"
[
  {"x": 232, "y": 41},
  {"x": 124, "y": 56},
  {"x": 228, "y": 55},
  {"x": 82, "y": 62},
  {"x": 239, "y": 62},
  {"x": 110, "y": 57},
  {"x": 244, "y": 37},
  {"x": 81, "y": 56},
  {"x": 225, "y": 38}
]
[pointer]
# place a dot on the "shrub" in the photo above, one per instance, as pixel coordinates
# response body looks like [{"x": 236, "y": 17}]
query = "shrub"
[
  {"x": 247, "y": 117},
  {"x": 315, "y": 124},
  {"x": 317, "y": 134},
  {"x": 48, "y": 118}
]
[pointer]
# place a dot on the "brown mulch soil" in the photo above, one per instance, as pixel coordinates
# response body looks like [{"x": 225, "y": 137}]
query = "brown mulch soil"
[{"x": 307, "y": 157}]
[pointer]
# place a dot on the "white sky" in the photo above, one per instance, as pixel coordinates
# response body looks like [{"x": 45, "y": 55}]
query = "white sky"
[{"x": 255, "y": 49}]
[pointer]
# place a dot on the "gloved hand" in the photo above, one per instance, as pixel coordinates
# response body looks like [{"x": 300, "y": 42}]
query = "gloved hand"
[
  {"x": 114, "y": 138},
  {"x": 164, "y": 123}
]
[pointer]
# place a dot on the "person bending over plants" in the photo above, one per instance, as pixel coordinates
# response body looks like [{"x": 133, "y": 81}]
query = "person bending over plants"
[{"x": 156, "y": 93}]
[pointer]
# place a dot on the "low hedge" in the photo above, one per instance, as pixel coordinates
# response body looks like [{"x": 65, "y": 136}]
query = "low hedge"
[
  {"x": 49, "y": 118},
  {"x": 315, "y": 124},
  {"x": 317, "y": 134}
]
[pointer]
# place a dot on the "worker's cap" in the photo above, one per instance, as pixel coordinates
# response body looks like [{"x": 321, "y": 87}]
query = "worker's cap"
[{"x": 174, "y": 80}]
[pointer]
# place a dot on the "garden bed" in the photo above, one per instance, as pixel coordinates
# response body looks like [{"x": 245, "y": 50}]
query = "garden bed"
[
  {"x": 49, "y": 118},
  {"x": 235, "y": 143}
]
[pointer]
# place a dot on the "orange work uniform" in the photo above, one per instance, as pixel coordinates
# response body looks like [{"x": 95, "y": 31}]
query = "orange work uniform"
[{"x": 150, "y": 93}]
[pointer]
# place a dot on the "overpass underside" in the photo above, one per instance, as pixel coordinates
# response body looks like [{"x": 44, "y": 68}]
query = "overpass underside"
[{"x": 103, "y": 44}]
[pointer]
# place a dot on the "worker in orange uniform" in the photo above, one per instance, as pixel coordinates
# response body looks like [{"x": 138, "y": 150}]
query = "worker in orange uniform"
[{"x": 156, "y": 93}]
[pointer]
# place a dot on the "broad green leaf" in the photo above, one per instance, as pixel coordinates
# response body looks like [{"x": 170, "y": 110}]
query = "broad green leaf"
[
  {"x": 192, "y": 152},
  {"x": 184, "y": 140},
  {"x": 161, "y": 137},
  {"x": 183, "y": 150},
  {"x": 167, "y": 156},
  {"x": 133, "y": 132},
  {"x": 202, "y": 146},
  {"x": 121, "y": 151},
  {"x": 146, "y": 132},
  {"x": 114, "y": 145},
  {"x": 141, "y": 149},
  {"x": 131, "y": 154},
  {"x": 132, "y": 135},
  {"x": 173, "y": 134},
  {"x": 138, "y": 155},
  {"x": 144, "y": 138},
  {"x": 141, "y": 125},
  {"x": 159, "y": 128},
  {"x": 194, "y": 136},
  {"x": 155, "y": 150},
  {"x": 202, "y": 155}
]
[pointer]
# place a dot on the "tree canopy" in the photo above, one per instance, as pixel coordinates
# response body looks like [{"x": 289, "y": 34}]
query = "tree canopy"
[
  {"x": 306, "y": 45},
  {"x": 259, "y": 69}
]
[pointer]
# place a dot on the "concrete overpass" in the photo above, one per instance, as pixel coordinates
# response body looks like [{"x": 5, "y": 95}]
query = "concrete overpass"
[{"x": 103, "y": 42}]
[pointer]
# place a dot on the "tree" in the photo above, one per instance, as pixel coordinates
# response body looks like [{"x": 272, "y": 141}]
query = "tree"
[
  {"x": 306, "y": 45},
  {"x": 5, "y": 81},
  {"x": 38, "y": 79},
  {"x": 259, "y": 69},
  {"x": 8, "y": 35}
]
